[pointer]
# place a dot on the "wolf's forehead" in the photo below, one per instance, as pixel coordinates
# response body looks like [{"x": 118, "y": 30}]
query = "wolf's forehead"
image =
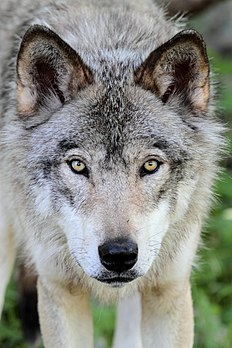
[
  {"x": 124, "y": 136},
  {"x": 116, "y": 119},
  {"x": 118, "y": 111}
]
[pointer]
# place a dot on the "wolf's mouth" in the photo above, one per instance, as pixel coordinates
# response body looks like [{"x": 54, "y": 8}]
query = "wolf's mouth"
[{"x": 116, "y": 282}]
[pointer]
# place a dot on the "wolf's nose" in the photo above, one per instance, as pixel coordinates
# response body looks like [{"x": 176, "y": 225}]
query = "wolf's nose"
[{"x": 118, "y": 255}]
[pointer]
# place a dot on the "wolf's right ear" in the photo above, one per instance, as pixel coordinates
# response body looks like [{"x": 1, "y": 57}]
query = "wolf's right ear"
[
  {"x": 178, "y": 70},
  {"x": 47, "y": 67}
]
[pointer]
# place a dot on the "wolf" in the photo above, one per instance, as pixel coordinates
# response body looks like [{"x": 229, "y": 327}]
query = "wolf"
[{"x": 109, "y": 147}]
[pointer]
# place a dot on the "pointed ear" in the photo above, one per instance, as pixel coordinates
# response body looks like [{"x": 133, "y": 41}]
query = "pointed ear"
[
  {"x": 178, "y": 69},
  {"x": 47, "y": 69}
]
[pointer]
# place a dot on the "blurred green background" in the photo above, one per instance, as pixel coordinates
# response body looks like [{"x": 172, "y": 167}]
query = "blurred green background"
[{"x": 212, "y": 280}]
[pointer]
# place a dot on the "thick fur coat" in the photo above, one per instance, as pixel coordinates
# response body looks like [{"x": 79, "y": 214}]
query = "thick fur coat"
[{"x": 107, "y": 135}]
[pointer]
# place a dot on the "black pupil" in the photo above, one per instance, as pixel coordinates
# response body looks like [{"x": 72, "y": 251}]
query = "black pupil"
[{"x": 151, "y": 164}]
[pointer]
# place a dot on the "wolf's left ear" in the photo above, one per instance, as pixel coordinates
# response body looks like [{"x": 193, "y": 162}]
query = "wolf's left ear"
[
  {"x": 178, "y": 69},
  {"x": 47, "y": 68}
]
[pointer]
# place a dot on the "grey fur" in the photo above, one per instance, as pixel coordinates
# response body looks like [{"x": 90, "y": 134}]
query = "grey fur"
[{"x": 115, "y": 123}]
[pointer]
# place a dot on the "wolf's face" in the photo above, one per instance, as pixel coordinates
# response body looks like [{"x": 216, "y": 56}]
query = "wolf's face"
[{"x": 109, "y": 159}]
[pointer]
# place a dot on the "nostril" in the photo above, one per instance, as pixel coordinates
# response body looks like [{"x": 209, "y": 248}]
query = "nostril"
[{"x": 118, "y": 255}]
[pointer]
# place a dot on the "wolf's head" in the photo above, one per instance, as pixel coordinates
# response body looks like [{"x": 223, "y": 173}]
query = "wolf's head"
[{"x": 117, "y": 154}]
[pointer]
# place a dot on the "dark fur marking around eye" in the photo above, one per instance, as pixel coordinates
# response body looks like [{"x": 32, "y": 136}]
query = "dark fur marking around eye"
[
  {"x": 66, "y": 145},
  {"x": 174, "y": 152},
  {"x": 161, "y": 144}
]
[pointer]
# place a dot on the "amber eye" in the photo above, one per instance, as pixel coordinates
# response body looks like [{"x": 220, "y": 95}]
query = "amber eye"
[
  {"x": 78, "y": 167},
  {"x": 150, "y": 167}
]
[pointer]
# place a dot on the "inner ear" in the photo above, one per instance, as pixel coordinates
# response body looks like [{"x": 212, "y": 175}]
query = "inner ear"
[
  {"x": 47, "y": 69},
  {"x": 178, "y": 69},
  {"x": 47, "y": 79},
  {"x": 181, "y": 75}
]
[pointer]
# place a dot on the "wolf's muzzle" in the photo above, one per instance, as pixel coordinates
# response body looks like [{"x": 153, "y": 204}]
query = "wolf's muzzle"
[{"x": 118, "y": 255}]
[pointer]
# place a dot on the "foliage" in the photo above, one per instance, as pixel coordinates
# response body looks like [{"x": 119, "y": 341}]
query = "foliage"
[{"x": 212, "y": 286}]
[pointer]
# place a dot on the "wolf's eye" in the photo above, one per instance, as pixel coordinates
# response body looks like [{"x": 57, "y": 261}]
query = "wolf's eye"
[
  {"x": 150, "y": 167},
  {"x": 78, "y": 167}
]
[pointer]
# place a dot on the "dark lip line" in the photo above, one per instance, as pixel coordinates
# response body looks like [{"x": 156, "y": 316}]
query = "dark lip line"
[{"x": 116, "y": 280}]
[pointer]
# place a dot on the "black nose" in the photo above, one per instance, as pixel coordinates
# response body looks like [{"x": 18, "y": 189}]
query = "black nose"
[{"x": 118, "y": 255}]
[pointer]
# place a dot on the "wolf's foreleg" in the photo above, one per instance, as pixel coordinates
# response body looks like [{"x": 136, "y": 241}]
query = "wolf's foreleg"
[
  {"x": 167, "y": 317},
  {"x": 128, "y": 323},
  {"x": 7, "y": 255},
  {"x": 65, "y": 317}
]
